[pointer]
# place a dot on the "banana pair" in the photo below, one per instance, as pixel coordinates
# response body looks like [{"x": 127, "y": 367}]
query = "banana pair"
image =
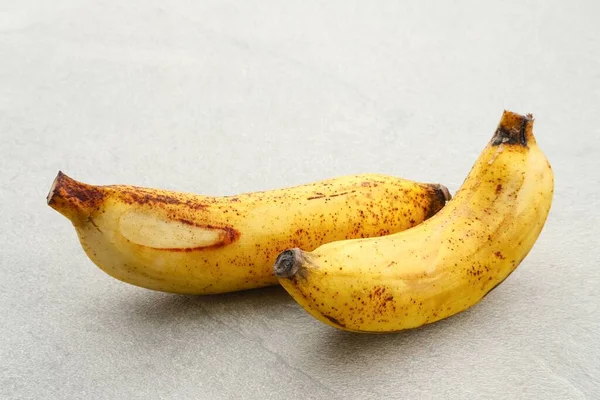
[{"x": 364, "y": 253}]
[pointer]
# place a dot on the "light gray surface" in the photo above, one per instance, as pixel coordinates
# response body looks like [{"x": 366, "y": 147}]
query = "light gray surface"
[{"x": 220, "y": 98}]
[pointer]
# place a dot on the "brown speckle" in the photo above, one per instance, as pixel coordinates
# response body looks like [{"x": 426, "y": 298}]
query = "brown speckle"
[{"x": 143, "y": 196}]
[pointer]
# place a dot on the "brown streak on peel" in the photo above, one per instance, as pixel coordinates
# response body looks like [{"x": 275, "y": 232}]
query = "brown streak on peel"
[
  {"x": 231, "y": 233},
  {"x": 315, "y": 197},
  {"x": 188, "y": 222},
  {"x": 94, "y": 224},
  {"x": 334, "y": 321},
  {"x": 145, "y": 196}
]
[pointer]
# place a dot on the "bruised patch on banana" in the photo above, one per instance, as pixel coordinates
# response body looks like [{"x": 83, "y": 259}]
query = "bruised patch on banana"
[
  {"x": 227, "y": 235},
  {"x": 174, "y": 235}
]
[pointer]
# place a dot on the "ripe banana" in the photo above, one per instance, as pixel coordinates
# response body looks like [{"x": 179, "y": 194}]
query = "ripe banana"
[
  {"x": 446, "y": 264},
  {"x": 191, "y": 244}
]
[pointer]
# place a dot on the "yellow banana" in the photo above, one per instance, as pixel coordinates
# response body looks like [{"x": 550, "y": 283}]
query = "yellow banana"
[
  {"x": 192, "y": 244},
  {"x": 446, "y": 264}
]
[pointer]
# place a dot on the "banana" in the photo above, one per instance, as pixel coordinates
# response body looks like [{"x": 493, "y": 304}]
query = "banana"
[
  {"x": 192, "y": 244},
  {"x": 444, "y": 265}
]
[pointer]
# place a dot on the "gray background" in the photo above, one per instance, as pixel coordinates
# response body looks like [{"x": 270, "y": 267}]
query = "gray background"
[{"x": 225, "y": 97}]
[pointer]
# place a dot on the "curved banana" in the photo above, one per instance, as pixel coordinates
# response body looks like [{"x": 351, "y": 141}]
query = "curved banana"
[
  {"x": 192, "y": 244},
  {"x": 446, "y": 264}
]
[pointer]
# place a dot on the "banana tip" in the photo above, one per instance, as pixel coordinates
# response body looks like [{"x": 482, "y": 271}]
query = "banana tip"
[
  {"x": 288, "y": 262},
  {"x": 71, "y": 198},
  {"x": 50, "y": 198}
]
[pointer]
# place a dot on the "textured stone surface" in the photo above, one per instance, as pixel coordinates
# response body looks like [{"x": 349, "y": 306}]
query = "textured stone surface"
[{"x": 220, "y": 98}]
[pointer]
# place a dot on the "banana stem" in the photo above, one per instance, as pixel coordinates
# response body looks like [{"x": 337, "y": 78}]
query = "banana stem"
[
  {"x": 75, "y": 200},
  {"x": 514, "y": 129},
  {"x": 288, "y": 263},
  {"x": 445, "y": 192}
]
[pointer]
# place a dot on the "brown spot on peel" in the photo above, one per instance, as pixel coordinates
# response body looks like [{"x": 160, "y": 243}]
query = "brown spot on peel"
[
  {"x": 334, "y": 320},
  {"x": 368, "y": 184}
]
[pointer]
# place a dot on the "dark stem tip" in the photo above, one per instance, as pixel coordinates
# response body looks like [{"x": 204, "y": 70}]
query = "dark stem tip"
[
  {"x": 445, "y": 192},
  {"x": 56, "y": 185},
  {"x": 288, "y": 263},
  {"x": 513, "y": 129}
]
